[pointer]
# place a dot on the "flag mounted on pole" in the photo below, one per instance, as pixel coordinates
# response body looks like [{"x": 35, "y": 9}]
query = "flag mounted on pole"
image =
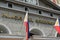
[
  {"x": 54, "y": 1},
  {"x": 57, "y": 25},
  {"x": 26, "y": 24}
]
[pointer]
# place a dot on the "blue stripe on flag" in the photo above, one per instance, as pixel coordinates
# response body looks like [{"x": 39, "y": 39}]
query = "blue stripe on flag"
[
  {"x": 59, "y": 22},
  {"x": 28, "y": 30}
]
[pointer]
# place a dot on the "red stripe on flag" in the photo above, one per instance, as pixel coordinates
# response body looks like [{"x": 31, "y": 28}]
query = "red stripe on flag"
[
  {"x": 54, "y": 1},
  {"x": 57, "y": 29},
  {"x": 26, "y": 35},
  {"x": 26, "y": 25}
]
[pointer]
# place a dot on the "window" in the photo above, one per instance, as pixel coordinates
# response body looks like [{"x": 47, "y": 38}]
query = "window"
[
  {"x": 39, "y": 12},
  {"x": 26, "y": 9},
  {"x": 51, "y": 15},
  {"x": 10, "y": 5}
]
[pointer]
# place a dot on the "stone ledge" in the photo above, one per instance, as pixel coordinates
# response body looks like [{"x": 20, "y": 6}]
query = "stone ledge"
[
  {"x": 11, "y": 39},
  {"x": 46, "y": 38}
]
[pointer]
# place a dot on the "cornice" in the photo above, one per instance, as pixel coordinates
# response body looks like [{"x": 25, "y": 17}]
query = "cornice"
[
  {"x": 10, "y": 9},
  {"x": 36, "y": 7}
]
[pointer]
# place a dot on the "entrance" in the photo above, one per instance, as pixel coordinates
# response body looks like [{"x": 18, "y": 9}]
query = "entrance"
[
  {"x": 3, "y": 30},
  {"x": 36, "y": 32}
]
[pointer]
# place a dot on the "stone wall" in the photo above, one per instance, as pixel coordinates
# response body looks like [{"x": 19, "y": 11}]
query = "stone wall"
[{"x": 16, "y": 26}]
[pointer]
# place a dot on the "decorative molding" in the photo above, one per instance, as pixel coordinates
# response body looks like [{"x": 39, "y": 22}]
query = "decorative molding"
[
  {"x": 12, "y": 17},
  {"x": 38, "y": 7},
  {"x": 30, "y": 19},
  {"x": 44, "y": 21}
]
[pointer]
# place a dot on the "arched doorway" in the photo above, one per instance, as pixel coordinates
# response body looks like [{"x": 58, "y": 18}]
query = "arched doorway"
[
  {"x": 4, "y": 30},
  {"x": 36, "y": 32}
]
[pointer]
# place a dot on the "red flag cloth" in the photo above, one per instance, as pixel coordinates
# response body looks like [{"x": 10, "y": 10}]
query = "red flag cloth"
[
  {"x": 57, "y": 26},
  {"x": 27, "y": 36},
  {"x": 57, "y": 29},
  {"x": 54, "y": 1},
  {"x": 26, "y": 24}
]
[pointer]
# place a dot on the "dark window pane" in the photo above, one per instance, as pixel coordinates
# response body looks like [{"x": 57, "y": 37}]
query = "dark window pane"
[
  {"x": 26, "y": 9},
  {"x": 51, "y": 14},
  {"x": 39, "y": 12},
  {"x": 10, "y": 5}
]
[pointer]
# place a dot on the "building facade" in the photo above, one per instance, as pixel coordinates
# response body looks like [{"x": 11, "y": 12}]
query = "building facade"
[{"x": 41, "y": 17}]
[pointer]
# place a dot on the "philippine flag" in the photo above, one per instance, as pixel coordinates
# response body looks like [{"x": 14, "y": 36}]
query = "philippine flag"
[
  {"x": 26, "y": 24},
  {"x": 57, "y": 25},
  {"x": 55, "y": 1}
]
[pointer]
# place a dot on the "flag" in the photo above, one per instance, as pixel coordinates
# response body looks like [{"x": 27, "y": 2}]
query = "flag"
[
  {"x": 57, "y": 25},
  {"x": 26, "y": 24},
  {"x": 55, "y": 1}
]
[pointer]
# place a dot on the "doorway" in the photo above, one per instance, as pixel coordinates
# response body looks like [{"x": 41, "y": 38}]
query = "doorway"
[
  {"x": 36, "y": 32},
  {"x": 3, "y": 30}
]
